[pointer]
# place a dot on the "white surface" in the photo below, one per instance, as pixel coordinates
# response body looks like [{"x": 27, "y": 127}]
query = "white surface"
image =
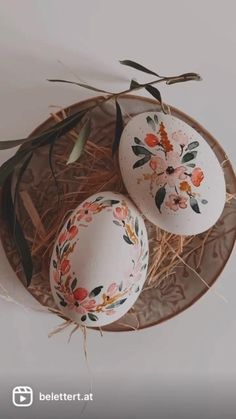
[{"x": 185, "y": 364}]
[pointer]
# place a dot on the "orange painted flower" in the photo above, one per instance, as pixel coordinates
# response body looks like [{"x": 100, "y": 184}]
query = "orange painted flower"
[
  {"x": 151, "y": 140},
  {"x": 165, "y": 142},
  {"x": 121, "y": 213},
  {"x": 185, "y": 187},
  {"x": 197, "y": 176},
  {"x": 73, "y": 231},
  {"x": 65, "y": 266},
  {"x": 80, "y": 294}
]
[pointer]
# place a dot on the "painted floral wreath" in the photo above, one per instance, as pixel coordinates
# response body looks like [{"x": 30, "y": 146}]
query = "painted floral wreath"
[
  {"x": 177, "y": 168},
  {"x": 81, "y": 300}
]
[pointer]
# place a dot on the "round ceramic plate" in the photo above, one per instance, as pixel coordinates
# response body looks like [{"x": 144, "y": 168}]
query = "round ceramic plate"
[{"x": 180, "y": 289}]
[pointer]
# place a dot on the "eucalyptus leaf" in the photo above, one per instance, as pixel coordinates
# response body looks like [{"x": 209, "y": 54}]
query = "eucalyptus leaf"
[
  {"x": 118, "y": 128},
  {"x": 84, "y": 85},
  {"x": 138, "y": 66},
  {"x": 184, "y": 77},
  {"x": 80, "y": 142},
  {"x": 134, "y": 84},
  {"x": 16, "y": 231},
  {"x": 156, "y": 94}
]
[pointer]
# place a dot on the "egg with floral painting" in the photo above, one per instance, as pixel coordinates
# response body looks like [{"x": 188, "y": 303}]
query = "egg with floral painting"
[
  {"x": 99, "y": 261},
  {"x": 171, "y": 173}
]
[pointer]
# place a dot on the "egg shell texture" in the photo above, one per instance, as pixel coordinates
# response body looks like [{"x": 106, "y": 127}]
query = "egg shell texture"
[
  {"x": 100, "y": 260},
  {"x": 171, "y": 173}
]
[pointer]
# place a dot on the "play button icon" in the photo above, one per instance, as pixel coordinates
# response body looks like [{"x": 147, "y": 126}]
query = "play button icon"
[{"x": 22, "y": 396}]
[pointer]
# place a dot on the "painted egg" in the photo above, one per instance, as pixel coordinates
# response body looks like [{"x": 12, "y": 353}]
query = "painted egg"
[
  {"x": 171, "y": 173},
  {"x": 99, "y": 261}
]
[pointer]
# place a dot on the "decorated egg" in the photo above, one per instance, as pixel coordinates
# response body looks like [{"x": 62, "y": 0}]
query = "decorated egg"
[
  {"x": 171, "y": 173},
  {"x": 99, "y": 261}
]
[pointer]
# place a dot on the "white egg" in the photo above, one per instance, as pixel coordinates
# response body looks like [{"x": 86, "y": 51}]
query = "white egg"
[
  {"x": 171, "y": 173},
  {"x": 99, "y": 261}
]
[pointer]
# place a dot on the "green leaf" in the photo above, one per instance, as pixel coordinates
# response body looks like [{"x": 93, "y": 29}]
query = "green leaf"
[
  {"x": 83, "y": 318},
  {"x": 116, "y": 304},
  {"x": 194, "y": 205},
  {"x": 145, "y": 255},
  {"x": 95, "y": 291},
  {"x": 143, "y": 267},
  {"x": 138, "y": 66},
  {"x": 92, "y": 317},
  {"x": 73, "y": 284},
  {"x": 85, "y": 85},
  {"x": 126, "y": 238},
  {"x": 59, "y": 296},
  {"x": 156, "y": 119},
  {"x": 137, "y": 289},
  {"x": 141, "y": 162},
  {"x": 191, "y": 165},
  {"x": 80, "y": 142},
  {"x": 16, "y": 231},
  {"x": 121, "y": 286},
  {"x": 151, "y": 123},
  {"x": 116, "y": 223},
  {"x": 141, "y": 151},
  {"x": 192, "y": 145},
  {"x": 183, "y": 78},
  {"x": 118, "y": 128},
  {"x": 63, "y": 303},
  {"x": 137, "y": 140},
  {"x": 136, "y": 226},
  {"x": 54, "y": 264},
  {"x": 189, "y": 156},
  {"x": 160, "y": 196},
  {"x": 157, "y": 95},
  {"x": 134, "y": 84},
  {"x": 204, "y": 201}
]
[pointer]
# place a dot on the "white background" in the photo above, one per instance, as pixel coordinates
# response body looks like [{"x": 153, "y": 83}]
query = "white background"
[{"x": 192, "y": 355}]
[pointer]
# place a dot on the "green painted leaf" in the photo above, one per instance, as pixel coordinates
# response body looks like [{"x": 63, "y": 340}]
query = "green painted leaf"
[
  {"x": 141, "y": 151},
  {"x": 59, "y": 296},
  {"x": 189, "y": 156},
  {"x": 116, "y": 223},
  {"x": 95, "y": 291},
  {"x": 66, "y": 247},
  {"x": 191, "y": 165},
  {"x": 121, "y": 286},
  {"x": 137, "y": 140},
  {"x": 73, "y": 284},
  {"x": 136, "y": 226},
  {"x": 92, "y": 317},
  {"x": 63, "y": 303},
  {"x": 204, "y": 201},
  {"x": 68, "y": 226},
  {"x": 159, "y": 197},
  {"x": 194, "y": 205},
  {"x": 126, "y": 238},
  {"x": 54, "y": 264},
  {"x": 83, "y": 318},
  {"x": 193, "y": 145},
  {"x": 137, "y": 289},
  {"x": 156, "y": 119},
  {"x": 85, "y": 85},
  {"x": 117, "y": 303},
  {"x": 98, "y": 198},
  {"x": 151, "y": 123},
  {"x": 80, "y": 142},
  {"x": 118, "y": 128},
  {"x": 145, "y": 255},
  {"x": 144, "y": 267},
  {"x": 138, "y": 66},
  {"x": 141, "y": 162}
]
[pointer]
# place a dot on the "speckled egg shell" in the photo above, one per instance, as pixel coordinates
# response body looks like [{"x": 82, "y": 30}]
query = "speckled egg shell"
[
  {"x": 99, "y": 261},
  {"x": 171, "y": 173}
]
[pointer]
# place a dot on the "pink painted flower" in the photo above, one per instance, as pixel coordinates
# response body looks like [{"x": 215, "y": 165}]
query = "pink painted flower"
[
  {"x": 68, "y": 234},
  {"x": 197, "y": 176},
  {"x": 180, "y": 138},
  {"x": 110, "y": 312},
  {"x": 169, "y": 170},
  {"x": 86, "y": 212},
  {"x": 112, "y": 289},
  {"x": 56, "y": 275},
  {"x": 176, "y": 201},
  {"x": 121, "y": 213},
  {"x": 89, "y": 305}
]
